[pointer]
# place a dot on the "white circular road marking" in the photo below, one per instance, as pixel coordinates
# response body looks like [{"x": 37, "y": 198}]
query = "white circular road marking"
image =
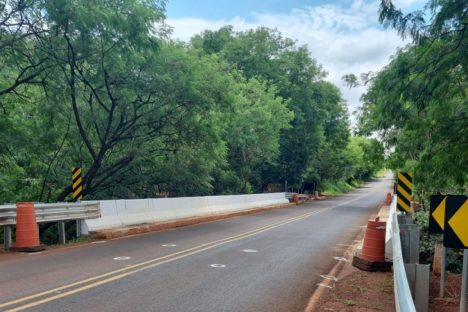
[
  {"x": 249, "y": 250},
  {"x": 169, "y": 245},
  {"x": 122, "y": 258},
  {"x": 217, "y": 265},
  {"x": 324, "y": 285},
  {"x": 329, "y": 277}
]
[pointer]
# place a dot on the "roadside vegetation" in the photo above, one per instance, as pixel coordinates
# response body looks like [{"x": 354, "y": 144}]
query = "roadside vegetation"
[
  {"x": 418, "y": 104},
  {"x": 100, "y": 85}
]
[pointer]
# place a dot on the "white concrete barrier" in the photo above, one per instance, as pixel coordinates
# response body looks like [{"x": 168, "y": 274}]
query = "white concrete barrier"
[
  {"x": 109, "y": 218},
  {"x": 121, "y": 213}
]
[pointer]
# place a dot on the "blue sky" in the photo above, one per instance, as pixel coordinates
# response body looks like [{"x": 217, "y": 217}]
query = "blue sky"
[
  {"x": 212, "y": 9},
  {"x": 343, "y": 36}
]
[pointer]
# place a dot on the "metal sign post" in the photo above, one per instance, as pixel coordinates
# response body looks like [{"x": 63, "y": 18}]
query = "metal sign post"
[
  {"x": 464, "y": 281},
  {"x": 443, "y": 265}
]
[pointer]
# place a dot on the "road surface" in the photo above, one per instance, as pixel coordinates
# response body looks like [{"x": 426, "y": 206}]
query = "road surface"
[{"x": 270, "y": 261}]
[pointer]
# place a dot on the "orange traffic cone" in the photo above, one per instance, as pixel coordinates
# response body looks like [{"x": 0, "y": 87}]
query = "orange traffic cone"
[
  {"x": 388, "y": 199},
  {"x": 373, "y": 248},
  {"x": 296, "y": 198},
  {"x": 372, "y": 257},
  {"x": 27, "y": 232}
]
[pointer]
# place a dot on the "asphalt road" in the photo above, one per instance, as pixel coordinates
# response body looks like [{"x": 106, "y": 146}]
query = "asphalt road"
[{"x": 270, "y": 261}]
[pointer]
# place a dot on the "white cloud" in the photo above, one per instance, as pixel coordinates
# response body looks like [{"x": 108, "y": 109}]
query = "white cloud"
[{"x": 343, "y": 39}]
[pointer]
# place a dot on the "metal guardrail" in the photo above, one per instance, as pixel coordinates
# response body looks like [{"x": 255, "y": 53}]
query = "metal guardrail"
[
  {"x": 403, "y": 300},
  {"x": 53, "y": 212},
  {"x": 290, "y": 195},
  {"x": 59, "y": 212}
]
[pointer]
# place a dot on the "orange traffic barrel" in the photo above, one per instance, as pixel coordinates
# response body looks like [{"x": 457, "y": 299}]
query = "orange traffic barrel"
[
  {"x": 27, "y": 232},
  {"x": 373, "y": 248},
  {"x": 296, "y": 198},
  {"x": 388, "y": 199}
]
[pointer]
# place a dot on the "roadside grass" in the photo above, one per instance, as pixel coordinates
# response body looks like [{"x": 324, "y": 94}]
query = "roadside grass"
[
  {"x": 81, "y": 239},
  {"x": 335, "y": 188},
  {"x": 349, "y": 302},
  {"x": 381, "y": 173},
  {"x": 340, "y": 187}
]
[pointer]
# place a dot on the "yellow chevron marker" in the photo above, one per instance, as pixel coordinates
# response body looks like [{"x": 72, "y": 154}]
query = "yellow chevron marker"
[
  {"x": 439, "y": 213},
  {"x": 459, "y": 223},
  {"x": 405, "y": 191},
  {"x": 404, "y": 205},
  {"x": 77, "y": 185}
]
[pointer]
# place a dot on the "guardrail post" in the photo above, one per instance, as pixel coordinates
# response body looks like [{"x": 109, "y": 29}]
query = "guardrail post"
[
  {"x": 78, "y": 228},
  {"x": 7, "y": 237},
  {"x": 421, "y": 289},
  {"x": 61, "y": 232},
  {"x": 443, "y": 265},
  {"x": 410, "y": 269},
  {"x": 409, "y": 234}
]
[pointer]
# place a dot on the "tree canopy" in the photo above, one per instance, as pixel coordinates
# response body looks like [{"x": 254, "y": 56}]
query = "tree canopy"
[
  {"x": 418, "y": 103},
  {"x": 99, "y": 84}
]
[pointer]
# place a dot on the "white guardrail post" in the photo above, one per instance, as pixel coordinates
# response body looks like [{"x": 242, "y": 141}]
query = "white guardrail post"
[{"x": 403, "y": 300}]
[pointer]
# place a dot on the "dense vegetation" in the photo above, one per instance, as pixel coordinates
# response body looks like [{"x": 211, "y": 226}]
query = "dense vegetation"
[
  {"x": 418, "y": 103},
  {"x": 99, "y": 84}
]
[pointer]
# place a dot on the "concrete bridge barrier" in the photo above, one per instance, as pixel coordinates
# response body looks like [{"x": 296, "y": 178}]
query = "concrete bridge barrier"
[{"x": 122, "y": 213}]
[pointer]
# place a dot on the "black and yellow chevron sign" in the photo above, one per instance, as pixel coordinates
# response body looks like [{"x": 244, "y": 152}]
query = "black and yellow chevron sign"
[
  {"x": 456, "y": 222},
  {"x": 405, "y": 191},
  {"x": 77, "y": 185},
  {"x": 437, "y": 214}
]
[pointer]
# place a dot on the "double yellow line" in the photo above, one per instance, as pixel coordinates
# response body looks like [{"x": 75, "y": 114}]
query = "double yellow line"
[
  {"x": 79, "y": 286},
  {"x": 92, "y": 282}
]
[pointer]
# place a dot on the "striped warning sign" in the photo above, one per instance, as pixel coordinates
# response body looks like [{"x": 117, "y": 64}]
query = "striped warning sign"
[
  {"x": 77, "y": 185},
  {"x": 405, "y": 191}
]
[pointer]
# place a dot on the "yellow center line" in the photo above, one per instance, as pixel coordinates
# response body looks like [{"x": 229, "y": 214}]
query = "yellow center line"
[
  {"x": 150, "y": 261},
  {"x": 154, "y": 262}
]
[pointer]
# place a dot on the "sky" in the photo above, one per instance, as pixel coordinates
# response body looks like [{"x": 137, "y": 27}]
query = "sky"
[{"x": 343, "y": 36}]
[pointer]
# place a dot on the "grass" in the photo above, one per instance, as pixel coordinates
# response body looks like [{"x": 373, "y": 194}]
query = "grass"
[
  {"x": 337, "y": 188},
  {"x": 381, "y": 173},
  {"x": 349, "y": 302},
  {"x": 81, "y": 239}
]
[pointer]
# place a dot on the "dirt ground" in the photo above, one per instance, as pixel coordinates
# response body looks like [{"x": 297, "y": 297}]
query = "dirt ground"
[
  {"x": 451, "y": 300},
  {"x": 358, "y": 290}
]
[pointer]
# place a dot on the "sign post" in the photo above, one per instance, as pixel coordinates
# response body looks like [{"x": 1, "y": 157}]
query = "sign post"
[{"x": 464, "y": 281}]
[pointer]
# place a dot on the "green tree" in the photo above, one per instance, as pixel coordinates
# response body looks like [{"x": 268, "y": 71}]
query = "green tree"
[
  {"x": 418, "y": 103},
  {"x": 318, "y": 108}
]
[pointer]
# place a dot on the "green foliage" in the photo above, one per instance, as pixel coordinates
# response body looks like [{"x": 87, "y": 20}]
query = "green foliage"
[
  {"x": 98, "y": 84},
  {"x": 418, "y": 103},
  {"x": 336, "y": 188}
]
